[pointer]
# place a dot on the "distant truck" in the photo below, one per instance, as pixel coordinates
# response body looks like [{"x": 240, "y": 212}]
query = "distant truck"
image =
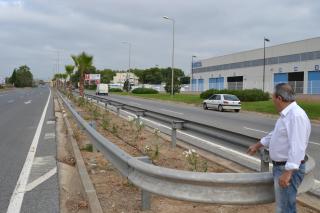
[{"x": 102, "y": 89}]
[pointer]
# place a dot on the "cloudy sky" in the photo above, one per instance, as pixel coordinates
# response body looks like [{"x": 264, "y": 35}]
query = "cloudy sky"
[{"x": 32, "y": 32}]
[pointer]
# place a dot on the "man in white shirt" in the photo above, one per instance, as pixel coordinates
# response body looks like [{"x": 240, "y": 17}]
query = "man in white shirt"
[{"x": 287, "y": 147}]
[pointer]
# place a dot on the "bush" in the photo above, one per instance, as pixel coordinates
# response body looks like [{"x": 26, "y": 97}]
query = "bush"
[
  {"x": 90, "y": 87},
  {"x": 115, "y": 90},
  {"x": 144, "y": 91},
  {"x": 243, "y": 95}
]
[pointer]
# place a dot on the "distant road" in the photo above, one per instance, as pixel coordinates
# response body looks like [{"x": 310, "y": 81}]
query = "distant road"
[{"x": 20, "y": 115}]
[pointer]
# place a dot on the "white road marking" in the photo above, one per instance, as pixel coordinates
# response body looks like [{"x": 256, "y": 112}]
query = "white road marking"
[
  {"x": 10, "y": 101},
  {"x": 135, "y": 103},
  {"x": 48, "y": 136},
  {"x": 28, "y": 102},
  {"x": 314, "y": 143},
  {"x": 50, "y": 122},
  {"x": 171, "y": 111},
  {"x": 256, "y": 130},
  {"x": 41, "y": 179},
  {"x": 18, "y": 193}
]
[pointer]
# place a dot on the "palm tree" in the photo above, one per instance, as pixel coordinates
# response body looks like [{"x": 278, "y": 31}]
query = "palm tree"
[
  {"x": 69, "y": 71},
  {"x": 83, "y": 62}
]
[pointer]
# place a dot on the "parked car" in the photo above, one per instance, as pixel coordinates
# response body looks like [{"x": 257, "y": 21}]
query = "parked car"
[
  {"x": 222, "y": 102},
  {"x": 102, "y": 89}
]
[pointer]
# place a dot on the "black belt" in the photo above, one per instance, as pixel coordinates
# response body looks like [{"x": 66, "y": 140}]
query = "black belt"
[{"x": 282, "y": 163}]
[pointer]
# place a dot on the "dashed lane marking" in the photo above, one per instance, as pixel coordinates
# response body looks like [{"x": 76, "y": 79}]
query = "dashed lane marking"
[
  {"x": 256, "y": 130},
  {"x": 50, "y": 135},
  {"x": 172, "y": 111}
]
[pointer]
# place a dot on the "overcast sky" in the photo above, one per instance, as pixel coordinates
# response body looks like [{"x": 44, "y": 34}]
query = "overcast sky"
[{"x": 32, "y": 31}]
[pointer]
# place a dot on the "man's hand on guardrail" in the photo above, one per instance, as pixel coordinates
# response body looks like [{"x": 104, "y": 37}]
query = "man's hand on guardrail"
[{"x": 254, "y": 148}]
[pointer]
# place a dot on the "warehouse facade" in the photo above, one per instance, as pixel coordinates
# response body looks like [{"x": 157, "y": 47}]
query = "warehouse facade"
[{"x": 296, "y": 63}]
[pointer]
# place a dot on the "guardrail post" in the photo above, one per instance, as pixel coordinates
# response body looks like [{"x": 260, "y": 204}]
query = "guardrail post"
[
  {"x": 93, "y": 124},
  {"x": 175, "y": 125},
  {"x": 265, "y": 159},
  {"x": 145, "y": 195}
]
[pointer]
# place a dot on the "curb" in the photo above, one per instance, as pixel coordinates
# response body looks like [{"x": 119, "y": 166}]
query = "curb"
[{"x": 90, "y": 192}]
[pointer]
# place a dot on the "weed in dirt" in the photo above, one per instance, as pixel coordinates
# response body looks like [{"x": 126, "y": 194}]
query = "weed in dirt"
[
  {"x": 139, "y": 126},
  {"x": 95, "y": 113},
  {"x": 127, "y": 183},
  {"x": 114, "y": 129},
  {"x": 105, "y": 123},
  {"x": 153, "y": 151},
  {"x": 76, "y": 134},
  {"x": 194, "y": 162},
  {"x": 87, "y": 148},
  {"x": 81, "y": 102}
]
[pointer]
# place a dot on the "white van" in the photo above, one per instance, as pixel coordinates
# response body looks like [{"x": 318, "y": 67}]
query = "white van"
[{"x": 102, "y": 89}]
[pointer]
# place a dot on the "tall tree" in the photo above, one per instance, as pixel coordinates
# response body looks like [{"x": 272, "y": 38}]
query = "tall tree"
[
  {"x": 83, "y": 62},
  {"x": 24, "y": 77}
]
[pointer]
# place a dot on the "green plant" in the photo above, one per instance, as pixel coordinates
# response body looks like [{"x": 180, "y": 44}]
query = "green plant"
[
  {"x": 87, "y": 148},
  {"x": 115, "y": 90},
  {"x": 144, "y": 91},
  {"x": 138, "y": 130},
  {"x": 81, "y": 102},
  {"x": 195, "y": 162},
  {"x": 114, "y": 129},
  {"x": 95, "y": 113},
  {"x": 105, "y": 122}
]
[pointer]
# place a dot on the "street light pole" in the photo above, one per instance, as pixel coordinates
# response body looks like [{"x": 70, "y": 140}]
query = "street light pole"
[
  {"x": 192, "y": 71},
  {"x": 172, "y": 67},
  {"x": 129, "y": 44},
  {"x": 264, "y": 61}
]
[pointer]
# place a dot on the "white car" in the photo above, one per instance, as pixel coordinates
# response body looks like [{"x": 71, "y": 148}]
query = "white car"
[
  {"x": 222, "y": 102},
  {"x": 102, "y": 89}
]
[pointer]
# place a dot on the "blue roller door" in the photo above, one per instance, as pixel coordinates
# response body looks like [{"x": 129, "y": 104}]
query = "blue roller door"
[
  {"x": 216, "y": 83},
  {"x": 200, "y": 85},
  {"x": 314, "y": 82},
  {"x": 280, "y": 78},
  {"x": 194, "y": 84}
]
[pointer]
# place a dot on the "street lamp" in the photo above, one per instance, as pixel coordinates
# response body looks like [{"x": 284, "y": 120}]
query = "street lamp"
[
  {"x": 172, "y": 67},
  {"x": 129, "y": 44},
  {"x": 192, "y": 71},
  {"x": 264, "y": 60}
]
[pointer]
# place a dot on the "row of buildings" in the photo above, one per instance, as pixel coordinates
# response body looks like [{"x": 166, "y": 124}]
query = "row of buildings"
[{"x": 296, "y": 63}]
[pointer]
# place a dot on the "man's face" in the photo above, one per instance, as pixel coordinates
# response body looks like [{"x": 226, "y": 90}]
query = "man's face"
[{"x": 277, "y": 102}]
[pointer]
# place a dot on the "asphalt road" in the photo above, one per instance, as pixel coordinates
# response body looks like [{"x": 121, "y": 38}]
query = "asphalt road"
[
  {"x": 20, "y": 114},
  {"x": 247, "y": 123}
]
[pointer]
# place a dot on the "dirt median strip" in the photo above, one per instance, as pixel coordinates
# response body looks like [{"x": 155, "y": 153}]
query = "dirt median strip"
[{"x": 89, "y": 189}]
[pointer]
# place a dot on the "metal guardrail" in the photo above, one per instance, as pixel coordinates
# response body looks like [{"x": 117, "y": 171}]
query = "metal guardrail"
[{"x": 220, "y": 188}]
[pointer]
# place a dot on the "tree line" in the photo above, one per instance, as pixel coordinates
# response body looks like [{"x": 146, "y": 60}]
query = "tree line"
[{"x": 83, "y": 64}]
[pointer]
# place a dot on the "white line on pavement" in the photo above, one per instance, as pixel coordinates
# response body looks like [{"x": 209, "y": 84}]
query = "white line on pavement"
[
  {"x": 18, "y": 193},
  {"x": 314, "y": 143},
  {"x": 41, "y": 179},
  {"x": 28, "y": 102},
  {"x": 171, "y": 111},
  {"x": 135, "y": 103},
  {"x": 256, "y": 130}
]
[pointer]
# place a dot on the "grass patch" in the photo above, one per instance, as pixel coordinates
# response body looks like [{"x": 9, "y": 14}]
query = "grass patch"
[
  {"x": 312, "y": 108},
  {"x": 184, "y": 98}
]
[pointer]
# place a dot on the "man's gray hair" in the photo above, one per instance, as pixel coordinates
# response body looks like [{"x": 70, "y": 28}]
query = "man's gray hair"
[{"x": 285, "y": 91}]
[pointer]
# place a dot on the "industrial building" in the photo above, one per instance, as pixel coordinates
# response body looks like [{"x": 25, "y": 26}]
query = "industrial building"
[{"x": 296, "y": 63}]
